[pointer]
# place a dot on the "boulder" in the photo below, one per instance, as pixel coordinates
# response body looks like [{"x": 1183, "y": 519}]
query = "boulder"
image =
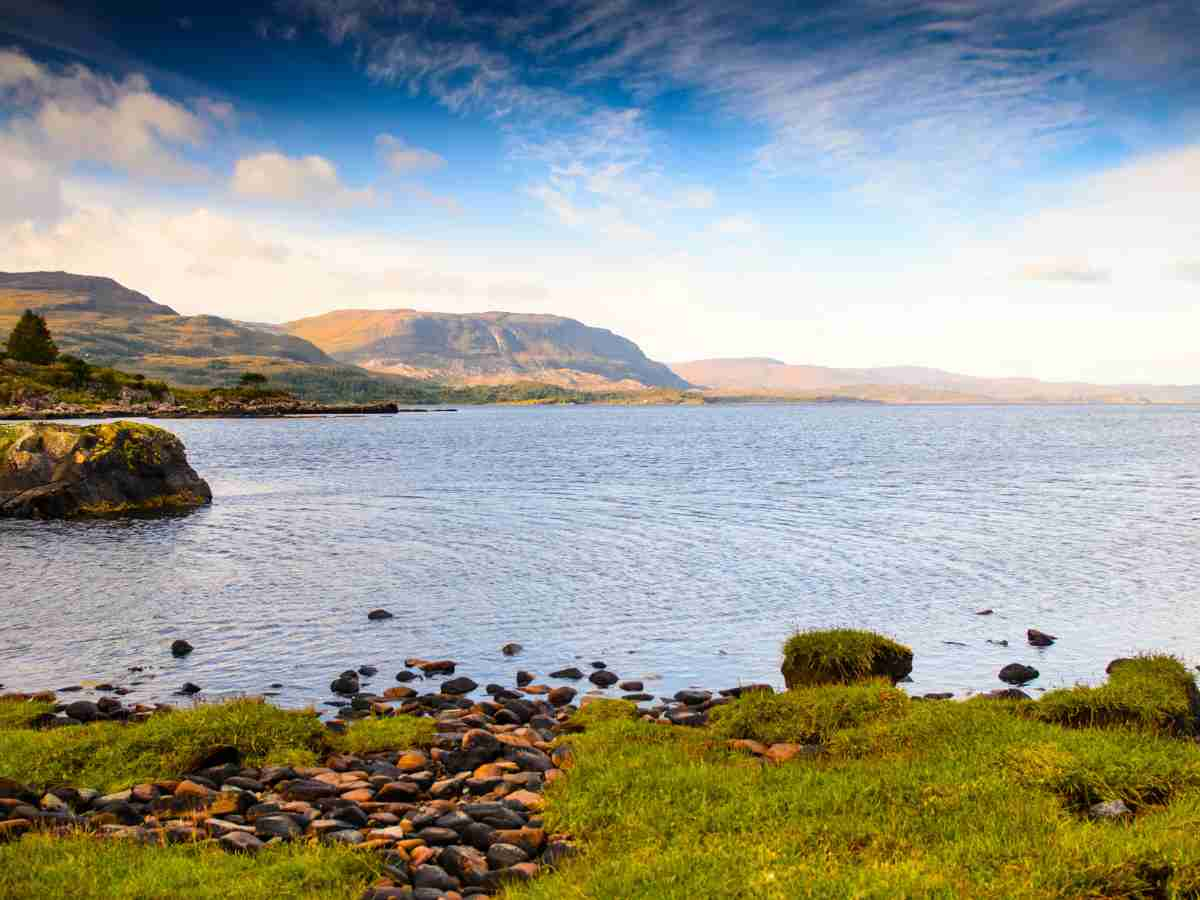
[
  {"x": 843, "y": 656},
  {"x": 1017, "y": 673},
  {"x": 1040, "y": 638},
  {"x": 52, "y": 471},
  {"x": 181, "y": 648}
]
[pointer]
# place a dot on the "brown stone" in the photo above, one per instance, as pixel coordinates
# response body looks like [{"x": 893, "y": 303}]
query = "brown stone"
[
  {"x": 781, "y": 753},
  {"x": 412, "y": 761},
  {"x": 749, "y": 747},
  {"x": 399, "y": 693}
]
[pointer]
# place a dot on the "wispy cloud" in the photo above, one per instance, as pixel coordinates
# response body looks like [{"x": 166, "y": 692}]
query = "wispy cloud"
[
  {"x": 405, "y": 159},
  {"x": 1065, "y": 271}
]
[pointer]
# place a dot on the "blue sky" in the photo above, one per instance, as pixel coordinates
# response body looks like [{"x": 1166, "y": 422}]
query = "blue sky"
[{"x": 998, "y": 188}]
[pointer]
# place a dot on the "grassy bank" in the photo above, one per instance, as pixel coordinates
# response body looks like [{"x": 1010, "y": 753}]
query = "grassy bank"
[{"x": 892, "y": 797}]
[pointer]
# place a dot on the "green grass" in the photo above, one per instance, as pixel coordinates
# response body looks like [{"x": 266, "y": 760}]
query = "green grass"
[
  {"x": 808, "y": 715},
  {"x": 1154, "y": 693},
  {"x": 110, "y": 756},
  {"x": 947, "y": 800},
  {"x": 20, "y": 713},
  {"x": 842, "y": 656},
  {"x": 393, "y": 733},
  {"x": 39, "y": 867}
]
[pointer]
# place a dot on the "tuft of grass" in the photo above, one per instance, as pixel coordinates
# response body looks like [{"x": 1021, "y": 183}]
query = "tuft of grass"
[
  {"x": 1153, "y": 693},
  {"x": 111, "y": 756},
  {"x": 843, "y": 656},
  {"x": 604, "y": 709},
  {"x": 809, "y": 715},
  {"x": 392, "y": 733},
  {"x": 21, "y": 713},
  {"x": 40, "y": 866}
]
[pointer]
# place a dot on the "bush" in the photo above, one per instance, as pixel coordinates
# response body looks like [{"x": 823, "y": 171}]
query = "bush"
[
  {"x": 843, "y": 656},
  {"x": 808, "y": 715},
  {"x": 1156, "y": 694}
]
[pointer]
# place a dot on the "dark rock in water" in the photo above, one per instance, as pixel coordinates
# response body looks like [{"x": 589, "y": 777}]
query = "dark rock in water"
[
  {"x": 188, "y": 689},
  {"x": 460, "y": 685},
  {"x": 181, "y": 648},
  {"x": 985, "y": 612},
  {"x": 1040, "y": 638},
  {"x": 693, "y": 698},
  {"x": 367, "y": 671},
  {"x": 570, "y": 672},
  {"x": 561, "y": 696},
  {"x": 599, "y": 665},
  {"x": 1111, "y": 809},
  {"x": 1006, "y": 694},
  {"x": 406, "y": 676},
  {"x": 524, "y": 678},
  {"x": 603, "y": 678},
  {"x": 633, "y": 686},
  {"x": 52, "y": 471},
  {"x": 378, "y": 615},
  {"x": 511, "y": 649},
  {"x": 438, "y": 667},
  {"x": 346, "y": 683},
  {"x": 1016, "y": 673},
  {"x": 998, "y": 643}
]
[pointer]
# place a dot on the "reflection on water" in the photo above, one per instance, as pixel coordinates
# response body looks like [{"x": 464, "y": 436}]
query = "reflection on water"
[{"x": 685, "y": 542}]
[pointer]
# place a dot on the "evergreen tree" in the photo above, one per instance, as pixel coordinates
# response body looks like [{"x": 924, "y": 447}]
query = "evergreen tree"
[{"x": 30, "y": 341}]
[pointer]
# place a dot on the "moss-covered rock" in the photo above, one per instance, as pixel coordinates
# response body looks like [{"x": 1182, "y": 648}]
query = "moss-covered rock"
[
  {"x": 1153, "y": 693},
  {"x": 843, "y": 656},
  {"x": 51, "y": 471}
]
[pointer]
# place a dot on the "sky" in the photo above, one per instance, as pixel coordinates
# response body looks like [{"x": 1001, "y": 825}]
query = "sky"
[{"x": 995, "y": 188}]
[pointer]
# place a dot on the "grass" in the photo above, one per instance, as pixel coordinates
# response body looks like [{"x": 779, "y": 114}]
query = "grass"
[
  {"x": 109, "y": 756},
  {"x": 810, "y": 715},
  {"x": 842, "y": 656},
  {"x": 1154, "y": 693},
  {"x": 393, "y": 733},
  {"x": 39, "y": 867},
  {"x": 934, "y": 800}
]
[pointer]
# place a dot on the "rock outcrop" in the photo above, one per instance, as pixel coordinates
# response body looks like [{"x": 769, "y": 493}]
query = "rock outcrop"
[{"x": 50, "y": 471}]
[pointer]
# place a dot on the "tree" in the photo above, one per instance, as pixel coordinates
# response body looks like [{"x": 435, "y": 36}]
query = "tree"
[
  {"x": 78, "y": 370},
  {"x": 252, "y": 379},
  {"x": 31, "y": 342}
]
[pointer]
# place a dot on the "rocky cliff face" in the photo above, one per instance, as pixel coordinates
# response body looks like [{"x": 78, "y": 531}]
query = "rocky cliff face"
[
  {"x": 483, "y": 348},
  {"x": 61, "y": 471}
]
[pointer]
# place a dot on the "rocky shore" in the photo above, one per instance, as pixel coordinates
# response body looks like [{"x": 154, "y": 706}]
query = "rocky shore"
[{"x": 267, "y": 410}]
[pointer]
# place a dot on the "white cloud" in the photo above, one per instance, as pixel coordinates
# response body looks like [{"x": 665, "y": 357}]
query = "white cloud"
[
  {"x": 308, "y": 180},
  {"x": 695, "y": 197},
  {"x": 405, "y": 159},
  {"x": 1064, "y": 270},
  {"x": 75, "y": 115}
]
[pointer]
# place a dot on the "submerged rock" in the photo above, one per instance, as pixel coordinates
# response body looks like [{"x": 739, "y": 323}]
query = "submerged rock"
[{"x": 51, "y": 471}]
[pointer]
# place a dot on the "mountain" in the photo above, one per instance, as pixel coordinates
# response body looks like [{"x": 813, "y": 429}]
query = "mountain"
[
  {"x": 108, "y": 324},
  {"x": 900, "y": 384},
  {"x": 485, "y": 348}
]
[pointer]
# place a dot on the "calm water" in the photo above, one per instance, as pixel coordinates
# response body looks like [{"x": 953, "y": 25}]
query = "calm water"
[{"x": 681, "y": 545}]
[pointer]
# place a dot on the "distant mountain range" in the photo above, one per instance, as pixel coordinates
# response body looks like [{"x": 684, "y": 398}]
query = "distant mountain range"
[
  {"x": 484, "y": 348},
  {"x": 911, "y": 384},
  {"x": 361, "y": 355}
]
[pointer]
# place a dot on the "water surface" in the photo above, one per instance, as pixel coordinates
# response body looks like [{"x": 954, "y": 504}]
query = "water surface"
[{"x": 679, "y": 544}]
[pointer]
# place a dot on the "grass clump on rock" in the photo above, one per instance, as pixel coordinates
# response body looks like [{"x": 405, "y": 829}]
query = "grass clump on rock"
[
  {"x": 1154, "y": 693},
  {"x": 843, "y": 656},
  {"x": 392, "y": 733}
]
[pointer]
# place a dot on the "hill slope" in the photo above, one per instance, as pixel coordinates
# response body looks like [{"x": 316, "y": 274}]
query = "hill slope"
[
  {"x": 484, "y": 348},
  {"x": 912, "y": 384},
  {"x": 108, "y": 324}
]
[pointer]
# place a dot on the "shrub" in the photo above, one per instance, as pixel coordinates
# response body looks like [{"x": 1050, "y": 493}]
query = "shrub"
[
  {"x": 808, "y": 715},
  {"x": 1149, "y": 693},
  {"x": 843, "y": 656}
]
